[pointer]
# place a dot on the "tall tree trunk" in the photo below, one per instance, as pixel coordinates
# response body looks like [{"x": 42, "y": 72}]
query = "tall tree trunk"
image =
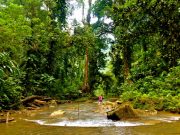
[
  {"x": 86, "y": 86},
  {"x": 126, "y": 60},
  {"x": 86, "y": 80}
]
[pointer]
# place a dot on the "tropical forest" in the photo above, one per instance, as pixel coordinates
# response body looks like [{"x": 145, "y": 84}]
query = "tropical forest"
[{"x": 125, "y": 49}]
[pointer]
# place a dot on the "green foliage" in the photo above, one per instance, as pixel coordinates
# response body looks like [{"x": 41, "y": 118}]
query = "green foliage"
[
  {"x": 14, "y": 28},
  {"x": 100, "y": 7},
  {"x": 9, "y": 81},
  {"x": 99, "y": 91},
  {"x": 38, "y": 55},
  {"x": 145, "y": 51},
  {"x": 161, "y": 93},
  {"x": 33, "y": 39},
  {"x": 85, "y": 38}
]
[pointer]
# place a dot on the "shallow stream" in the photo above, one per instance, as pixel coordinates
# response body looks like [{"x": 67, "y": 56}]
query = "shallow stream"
[{"x": 88, "y": 121}]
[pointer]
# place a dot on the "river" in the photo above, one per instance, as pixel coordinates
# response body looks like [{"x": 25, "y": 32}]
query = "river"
[{"x": 88, "y": 121}]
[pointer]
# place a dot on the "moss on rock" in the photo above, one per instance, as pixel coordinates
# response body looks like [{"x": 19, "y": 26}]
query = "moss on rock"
[{"x": 124, "y": 111}]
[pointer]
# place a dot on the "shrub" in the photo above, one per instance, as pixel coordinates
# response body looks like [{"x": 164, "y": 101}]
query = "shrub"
[
  {"x": 161, "y": 93},
  {"x": 9, "y": 81}
]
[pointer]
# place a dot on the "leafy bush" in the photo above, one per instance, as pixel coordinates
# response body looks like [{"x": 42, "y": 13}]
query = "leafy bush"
[
  {"x": 161, "y": 93},
  {"x": 9, "y": 81}
]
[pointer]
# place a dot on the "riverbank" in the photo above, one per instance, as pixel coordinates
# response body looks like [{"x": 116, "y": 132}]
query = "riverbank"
[
  {"x": 89, "y": 122},
  {"x": 33, "y": 109}
]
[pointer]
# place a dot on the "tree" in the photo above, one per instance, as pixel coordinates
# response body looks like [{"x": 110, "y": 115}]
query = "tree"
[{"x": 143, "y": 23}]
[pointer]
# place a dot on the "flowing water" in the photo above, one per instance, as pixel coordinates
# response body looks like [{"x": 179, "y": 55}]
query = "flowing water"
[{"x": 88, "y": 121}]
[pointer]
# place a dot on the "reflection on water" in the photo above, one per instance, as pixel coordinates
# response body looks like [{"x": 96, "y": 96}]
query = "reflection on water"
[{"x": 90, "y": 122}]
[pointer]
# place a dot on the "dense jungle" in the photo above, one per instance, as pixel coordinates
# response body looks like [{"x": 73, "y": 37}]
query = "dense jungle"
[{"x": 125, "y": 49}]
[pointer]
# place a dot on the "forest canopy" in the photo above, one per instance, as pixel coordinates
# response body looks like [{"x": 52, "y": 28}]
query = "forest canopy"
[{"x": 41, "y": 55}]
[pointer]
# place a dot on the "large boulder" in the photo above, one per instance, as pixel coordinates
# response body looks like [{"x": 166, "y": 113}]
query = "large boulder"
[
  {"x": 124, "y": 111},
  {"x": 108, "y": 105}
]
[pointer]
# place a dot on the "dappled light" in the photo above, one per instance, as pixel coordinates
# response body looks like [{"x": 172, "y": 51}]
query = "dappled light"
[{"x": 59, "y": 52}]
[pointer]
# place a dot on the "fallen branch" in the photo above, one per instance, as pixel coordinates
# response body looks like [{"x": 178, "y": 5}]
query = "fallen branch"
[
  {"x": 39, "y": 102},
  {"x": 28, "y": 100},
  {"x": 31, "y": 98}
]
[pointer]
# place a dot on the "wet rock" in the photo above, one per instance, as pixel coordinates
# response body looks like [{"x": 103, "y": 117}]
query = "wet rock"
[
  {"x": 57, "y": 113},
  {"x": 108, "y": 105},
  {"x": 52, "y": 103},
  {"x": 122, "y": 112}
]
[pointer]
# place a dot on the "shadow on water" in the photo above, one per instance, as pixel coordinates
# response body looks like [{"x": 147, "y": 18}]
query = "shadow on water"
[{"x": 90, "y": 121}]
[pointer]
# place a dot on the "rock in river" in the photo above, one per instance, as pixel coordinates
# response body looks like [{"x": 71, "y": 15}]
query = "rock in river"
[
  {"x": 122, "y": 112},
  {"x": 57, "y": 113}
]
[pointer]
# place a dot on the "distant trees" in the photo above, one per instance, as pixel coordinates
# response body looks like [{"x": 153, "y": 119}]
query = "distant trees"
[
  {"x": 146, "y": 35},
  {"x": 34, "y": 41},
  {"x": 38, "y": 55},
  {"x": 146, "y": 46}
]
